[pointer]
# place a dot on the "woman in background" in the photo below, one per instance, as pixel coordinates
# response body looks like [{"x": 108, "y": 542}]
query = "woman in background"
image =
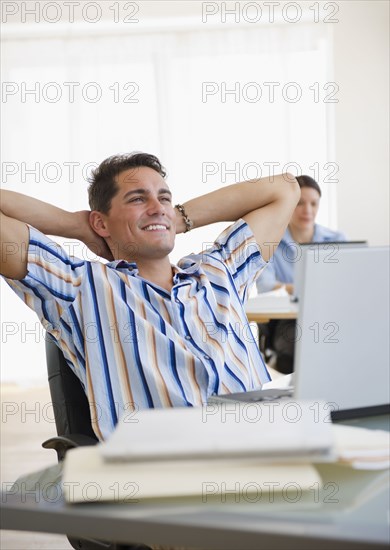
[{"x": 280, "y": 270}]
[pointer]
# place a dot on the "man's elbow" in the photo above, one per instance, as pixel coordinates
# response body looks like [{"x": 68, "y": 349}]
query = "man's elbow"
[
  {"x": 288, "y": 191},
  {"x": 12, "y": 264},
  {"x": 292, "y": 186},
  {"x": 14, "y": 238}
]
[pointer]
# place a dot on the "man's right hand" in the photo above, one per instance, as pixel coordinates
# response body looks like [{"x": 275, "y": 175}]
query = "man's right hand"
[
  {"x": 90, "y": 238},
  {"x": 17, "y": 210}
]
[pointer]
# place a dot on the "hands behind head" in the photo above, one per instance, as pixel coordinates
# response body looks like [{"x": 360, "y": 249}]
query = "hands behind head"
[{"x": 91, "y": 239}]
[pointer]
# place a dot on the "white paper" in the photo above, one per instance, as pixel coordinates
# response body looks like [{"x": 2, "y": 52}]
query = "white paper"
[
  {"x": 275, "y": 300},
  {"x": 285, "y": 429},
  {"x": 362, "y": 448},
  {"x": 87, "y": 478}
]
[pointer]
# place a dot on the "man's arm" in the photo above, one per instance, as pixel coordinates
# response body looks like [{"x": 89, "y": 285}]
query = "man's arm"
[
  {"x": 266, "y": 204},
  {"x": 17, "y": 210}
]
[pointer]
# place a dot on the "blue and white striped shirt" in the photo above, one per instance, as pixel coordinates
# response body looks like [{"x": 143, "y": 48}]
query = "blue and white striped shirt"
[{"x": 135, "y": 345}]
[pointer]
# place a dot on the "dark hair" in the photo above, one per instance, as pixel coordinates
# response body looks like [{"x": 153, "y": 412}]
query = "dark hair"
[
  {"x": 103, "y": 184},
  {"x": 307, "y": 181}
]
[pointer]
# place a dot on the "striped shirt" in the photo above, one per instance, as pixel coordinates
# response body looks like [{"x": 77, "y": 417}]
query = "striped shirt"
[{"x": 133, "y": 344}]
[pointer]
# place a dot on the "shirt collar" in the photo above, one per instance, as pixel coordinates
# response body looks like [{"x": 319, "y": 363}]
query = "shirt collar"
[
  {"x": 287, "y": 237},
  {"x": 122, "y": 264},
  {"x": 189, "y": 265}
]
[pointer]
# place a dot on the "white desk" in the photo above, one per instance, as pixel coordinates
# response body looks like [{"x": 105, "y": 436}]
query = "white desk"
[
  {"x": 351, "y": 512},
  {"x": 262, "y": 309}
]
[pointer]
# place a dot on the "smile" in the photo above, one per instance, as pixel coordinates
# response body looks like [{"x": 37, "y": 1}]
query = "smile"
[{"x": 155, "y": 228}]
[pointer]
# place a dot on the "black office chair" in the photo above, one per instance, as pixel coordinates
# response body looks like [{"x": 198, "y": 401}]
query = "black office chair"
[
  {"x": 73, "y": 423},
  {"x": 266, "y": 333}
]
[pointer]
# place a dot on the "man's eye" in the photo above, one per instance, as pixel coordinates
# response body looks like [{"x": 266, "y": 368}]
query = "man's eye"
[{"x": 167, "y": 199}]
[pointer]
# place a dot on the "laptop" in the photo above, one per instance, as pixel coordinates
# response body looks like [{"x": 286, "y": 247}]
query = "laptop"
[
  {"x": 330, "y": 255},
  {"x": 342, "y": 339}
]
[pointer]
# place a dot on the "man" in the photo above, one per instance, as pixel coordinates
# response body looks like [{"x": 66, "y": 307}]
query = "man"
[{"x": 137, "y": 331}]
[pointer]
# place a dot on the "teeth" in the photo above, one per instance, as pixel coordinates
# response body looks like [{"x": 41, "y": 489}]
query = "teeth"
[{"x": 154, "y": 227}]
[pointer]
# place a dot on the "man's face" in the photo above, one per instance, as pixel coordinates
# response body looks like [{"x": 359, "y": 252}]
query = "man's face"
[{"x": 141, "y": 223}]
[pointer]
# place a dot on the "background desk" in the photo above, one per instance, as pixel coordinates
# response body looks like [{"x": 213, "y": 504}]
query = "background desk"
[
  {"x": 262, "y": 311},
  {"x": 351, "y": 512}
]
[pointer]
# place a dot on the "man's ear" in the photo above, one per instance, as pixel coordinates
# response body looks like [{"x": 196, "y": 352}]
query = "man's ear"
[{"x": 97, "y": 222}]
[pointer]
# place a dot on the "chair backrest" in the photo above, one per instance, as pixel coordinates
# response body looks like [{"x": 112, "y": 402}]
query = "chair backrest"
[{"x": 70, "y": 404}]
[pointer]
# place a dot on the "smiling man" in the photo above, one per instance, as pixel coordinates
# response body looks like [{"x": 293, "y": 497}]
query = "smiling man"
[
  {"x": 135, "y": 215},
  {"x": 138, "y": 331}
]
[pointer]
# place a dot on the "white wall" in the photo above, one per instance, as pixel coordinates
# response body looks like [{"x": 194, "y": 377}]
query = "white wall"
[{"x": 361, "y": 68}]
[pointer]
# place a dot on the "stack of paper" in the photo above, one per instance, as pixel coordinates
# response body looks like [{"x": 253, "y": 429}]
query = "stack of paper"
[
  {"x": 285, "y": 430},
  {"x": 88, "y": 478},
  {"x": 361, "y": 448},
  {"x": 275, "y": 300},
  {"x": 251, "y": 447},
  {"x": 281, "y": 382}
]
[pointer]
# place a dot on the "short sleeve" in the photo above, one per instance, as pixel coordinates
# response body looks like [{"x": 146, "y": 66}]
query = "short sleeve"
[
  {"x": 341, "y": 236},
  {"x": 237, "y": 248},
  {"x": 53, "y": 279}
]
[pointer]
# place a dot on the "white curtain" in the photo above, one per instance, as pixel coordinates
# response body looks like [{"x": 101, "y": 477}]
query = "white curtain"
[{"x": 216, "y": 105}]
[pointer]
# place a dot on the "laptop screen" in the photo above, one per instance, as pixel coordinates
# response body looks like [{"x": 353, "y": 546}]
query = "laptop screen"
[
  {"x": 330, "y": 248},
  {"x": 342, "y": 350}
]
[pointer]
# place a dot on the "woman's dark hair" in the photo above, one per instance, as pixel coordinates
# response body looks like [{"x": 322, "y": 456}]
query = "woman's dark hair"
[
  {"x": 103, "y": 184},
  {"x": 307, "y": 181}
]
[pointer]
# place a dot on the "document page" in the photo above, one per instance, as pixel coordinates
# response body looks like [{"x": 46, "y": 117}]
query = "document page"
[{"x": 284, "y": 430}]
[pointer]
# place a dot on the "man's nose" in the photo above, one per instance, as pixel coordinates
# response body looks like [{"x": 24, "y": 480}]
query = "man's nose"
[{"x": 155, "y": 206}]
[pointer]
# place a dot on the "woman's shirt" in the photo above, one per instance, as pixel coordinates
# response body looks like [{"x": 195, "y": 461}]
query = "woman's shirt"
[{"x": 280, "y": 268}]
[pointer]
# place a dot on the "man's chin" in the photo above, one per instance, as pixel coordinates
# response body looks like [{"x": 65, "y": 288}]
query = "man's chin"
[
  {"x": 157, "y": 252},
  {"x": 134, "y": 251}
]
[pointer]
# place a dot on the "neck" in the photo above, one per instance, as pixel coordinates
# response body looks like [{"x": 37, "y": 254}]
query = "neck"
[
  {"x": 157, "y": 272},
  {"x": 301, "y": 235}
]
